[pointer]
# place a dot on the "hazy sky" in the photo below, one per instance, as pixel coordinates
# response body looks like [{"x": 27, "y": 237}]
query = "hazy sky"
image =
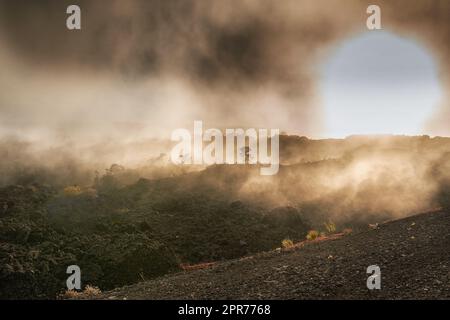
[
  {"x": 379, "y": 83},
  {"x": 144, "y": 68}
]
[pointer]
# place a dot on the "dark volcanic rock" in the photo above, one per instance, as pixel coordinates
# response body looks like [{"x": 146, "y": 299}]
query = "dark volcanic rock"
[{"x": 413, "y": 255}]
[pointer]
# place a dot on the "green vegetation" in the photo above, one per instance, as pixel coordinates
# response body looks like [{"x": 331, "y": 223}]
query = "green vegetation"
[
  {"x": 121, "y": 228},
  {"x": 124, "y": 235}
]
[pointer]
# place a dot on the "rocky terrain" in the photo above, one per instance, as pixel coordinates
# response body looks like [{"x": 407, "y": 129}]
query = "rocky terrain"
[
  {"x": 131, "y": 225},
  {"x": 413, "y": 254}
]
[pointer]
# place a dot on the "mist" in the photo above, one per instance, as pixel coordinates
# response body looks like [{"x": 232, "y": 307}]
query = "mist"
[
  {"x": 141, "y": 69},
  {"x": 76, "y": 102}
]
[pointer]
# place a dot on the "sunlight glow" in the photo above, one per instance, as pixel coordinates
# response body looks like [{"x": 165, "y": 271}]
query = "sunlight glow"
[{"x": 379, "y": 83}]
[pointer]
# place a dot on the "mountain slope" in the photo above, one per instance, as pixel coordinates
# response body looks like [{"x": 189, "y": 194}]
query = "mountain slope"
[{"x": 413, "y": 254}]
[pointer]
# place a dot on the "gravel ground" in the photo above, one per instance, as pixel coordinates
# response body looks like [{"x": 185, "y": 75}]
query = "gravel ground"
[{"x": 413, "y": 254}]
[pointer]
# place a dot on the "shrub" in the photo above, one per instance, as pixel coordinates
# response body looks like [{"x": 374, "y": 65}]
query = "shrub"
[
  {"x": 312, "y": 234},
  {"x": 91, "y": 291},
  {"x": 287, "y": 243},
  {"x": 330, "y": 227},
  {"x": 88, "y": 292},
  {"x": 69, "y": 294}
]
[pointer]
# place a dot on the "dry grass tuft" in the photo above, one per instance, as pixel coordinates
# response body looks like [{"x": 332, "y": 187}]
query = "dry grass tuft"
[
  {"x": 287, "y": 243},
  {"x": 88, "y": 292},
  {"x": 312, "y": 235}
]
